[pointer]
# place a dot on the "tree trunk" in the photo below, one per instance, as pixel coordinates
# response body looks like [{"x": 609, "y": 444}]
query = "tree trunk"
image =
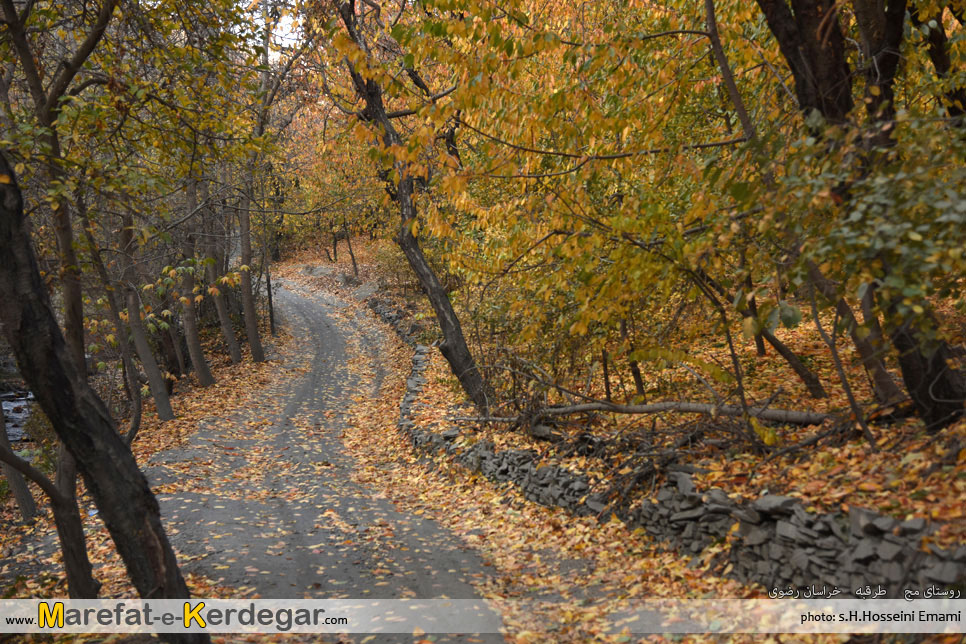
[
  {"x": 453, "y": 347},
  {"x": 221, "y": 308},
  {"x": 811, "y": 381},
  {"x": 188, "y": 315},
  {"x": 70, "y": 530},
  {"x": 937, "y": 45},
  {"x": 348, "y": 241},
  {"x": 82, "y": 422},
  {"x": 197, "y": 353},
  {"x": 247, "y": 295},
  {"x": 603, "y": 360},
  {"x": 73, "y": 544},
  {"x": 271, "y": 303},
  {"x": 127, "y": 361},
  {"x": 811, "y": 41},
  {"x": 937, "y": 390},
  {"x": 884, "y": 387},
  {"x": 156, "y": 381},
  {"x": 21, "y": 493},
  {"x": 635, "y": 367},
  {"x": 174, "y": 343},
  {"x": 753, "y": 308}
]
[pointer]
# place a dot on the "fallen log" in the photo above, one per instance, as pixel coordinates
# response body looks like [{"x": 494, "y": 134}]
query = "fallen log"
[{"x": 763, "y": 413}]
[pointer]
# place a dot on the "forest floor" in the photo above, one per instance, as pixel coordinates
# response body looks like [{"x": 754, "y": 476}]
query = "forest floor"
[{"x": 289, "y": 479}]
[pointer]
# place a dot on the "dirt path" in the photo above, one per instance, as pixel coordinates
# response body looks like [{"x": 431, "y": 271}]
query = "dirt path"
[{"x": 263, "y": 500}]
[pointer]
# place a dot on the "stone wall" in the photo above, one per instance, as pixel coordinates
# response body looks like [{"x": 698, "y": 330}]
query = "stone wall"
[{"x": 778, "y": 543}]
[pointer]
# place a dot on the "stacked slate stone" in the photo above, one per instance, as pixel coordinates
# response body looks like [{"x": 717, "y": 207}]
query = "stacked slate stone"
[
  {"x": 781, "y": 542},
  {"x": 778, "y": 544},
  {"x": 681, "y": 516},
  {"x": 392, "y": 316}
]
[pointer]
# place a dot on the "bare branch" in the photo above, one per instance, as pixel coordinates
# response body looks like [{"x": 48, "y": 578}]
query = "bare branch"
[{"x": 683, "y": 407}]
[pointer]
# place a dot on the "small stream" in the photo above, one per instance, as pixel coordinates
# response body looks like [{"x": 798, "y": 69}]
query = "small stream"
[{"x": 16, "y": 409}]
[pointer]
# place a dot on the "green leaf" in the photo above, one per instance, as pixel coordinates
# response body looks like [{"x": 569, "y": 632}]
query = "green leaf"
[
  {"x": 739, "y": 190},
  {"x": 790, "y": 315}
]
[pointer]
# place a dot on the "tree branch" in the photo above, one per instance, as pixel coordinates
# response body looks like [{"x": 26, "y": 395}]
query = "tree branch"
[
  {"x": 683, "y": 407},
  {"x": 63, "y": 80}
]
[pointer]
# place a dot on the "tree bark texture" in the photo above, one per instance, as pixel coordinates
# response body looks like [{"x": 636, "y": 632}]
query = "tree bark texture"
[{"x": 82, "y": 422}]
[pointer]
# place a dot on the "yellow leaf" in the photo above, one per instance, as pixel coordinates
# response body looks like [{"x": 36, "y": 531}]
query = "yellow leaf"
[{"x": 748, "y": 327}]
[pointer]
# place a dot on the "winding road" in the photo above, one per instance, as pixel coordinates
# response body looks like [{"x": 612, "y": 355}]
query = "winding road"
[{"x": 263, "y": 501}]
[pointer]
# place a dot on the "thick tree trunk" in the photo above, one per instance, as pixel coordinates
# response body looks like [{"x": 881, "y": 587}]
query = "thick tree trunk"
[
  {"x": 80, "y": 419},
  {"x": 247, "y": 295},
  {"x": 811, "y": 41},
  {"x": 21, "y": 493},
  {"x": 937, "y": 390},
  {"x": 938, "y": 49}
]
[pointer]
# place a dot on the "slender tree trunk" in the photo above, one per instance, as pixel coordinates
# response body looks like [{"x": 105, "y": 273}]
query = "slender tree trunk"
[
  {"x": 70, "y": 530},
  {"x": 453, "y": 347},
  {"x": 348, "y": 241},
  {"x": 753, "y": 307},
  {"x": 73, "y": 544},
  {"x": 603, "y": 360},
  {"x": 635, "y": 367},
  {"x": 137, "y": 406},
  {"x": 174, "y": 357},
  {"x": 156, "y": 381},
  {"x": 82, "y": 422},
  {"x": 884, "y": 387},
  {"x": 247, "y": 295},
  {"x": 127, "y": 361},
  {"x": 271, "y": 303},
  {"x": 21, "y": 493},
  {"x": 221, "y": 307},
  {"x": 190, "y": 320},
  {"x": 811, "y": 381}
]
